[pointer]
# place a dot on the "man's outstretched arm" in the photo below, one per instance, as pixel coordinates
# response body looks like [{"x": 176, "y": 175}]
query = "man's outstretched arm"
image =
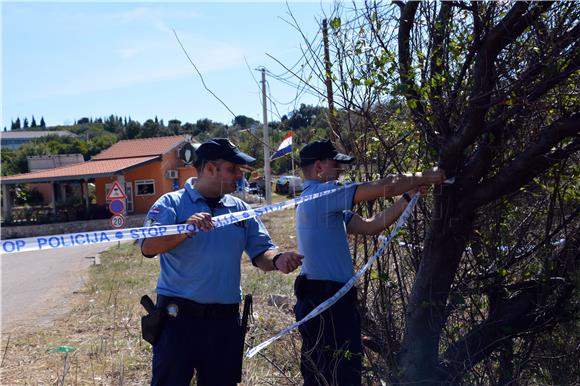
[
  {"x": 381, "y": 221},
  {"x": 286, "y": 262},
  {"x": 394, "y": 185}
]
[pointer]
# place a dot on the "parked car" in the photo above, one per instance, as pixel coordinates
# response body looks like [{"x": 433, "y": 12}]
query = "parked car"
[{"x": 288, "y": 184}]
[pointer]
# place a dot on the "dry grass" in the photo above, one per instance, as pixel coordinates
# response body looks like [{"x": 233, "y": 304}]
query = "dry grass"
[
  {"x": 103, "y": 325},
  {"x": 278, "y": 364}
]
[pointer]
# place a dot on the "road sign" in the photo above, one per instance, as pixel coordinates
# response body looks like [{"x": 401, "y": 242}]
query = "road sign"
[
  {"x": 117, "y": 206},
  {"x": 117, "y": 221},
  {"x": 116, "y": 192}
]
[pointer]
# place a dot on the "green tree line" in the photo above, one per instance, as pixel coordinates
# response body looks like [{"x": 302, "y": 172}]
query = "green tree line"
[
  {"x": 94, "y": 135},
  {"x": 16, "y": 125}
]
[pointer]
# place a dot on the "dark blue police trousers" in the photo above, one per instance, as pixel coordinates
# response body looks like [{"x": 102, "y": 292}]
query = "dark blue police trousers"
[
  {"x": 331, "y": 342},
  {"x": 209, "y": 346}
]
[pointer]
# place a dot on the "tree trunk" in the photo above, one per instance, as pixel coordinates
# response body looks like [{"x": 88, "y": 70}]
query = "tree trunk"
[{"x": 425, "y": 314}]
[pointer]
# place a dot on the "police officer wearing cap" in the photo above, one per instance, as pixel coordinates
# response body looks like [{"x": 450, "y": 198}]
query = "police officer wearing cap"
[
  {"x": 199, "y": 282},
  {"x": 331, "y": 343}
]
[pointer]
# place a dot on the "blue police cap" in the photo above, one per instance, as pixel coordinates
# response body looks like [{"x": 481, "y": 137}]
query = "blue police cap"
[
  {"x": 222, "y": 148},
  {"x": 322, "y": 150}
]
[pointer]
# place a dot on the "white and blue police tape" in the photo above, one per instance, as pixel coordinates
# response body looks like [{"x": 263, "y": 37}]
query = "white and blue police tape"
[
  {"x": 99, "y": 237},
  {"x": 347, "y": 286}
]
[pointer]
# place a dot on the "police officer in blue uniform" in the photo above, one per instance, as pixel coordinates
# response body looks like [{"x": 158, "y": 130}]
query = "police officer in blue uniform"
[
  {"x": 331, "y": 343},
  {"x": 198, "y": 288}
]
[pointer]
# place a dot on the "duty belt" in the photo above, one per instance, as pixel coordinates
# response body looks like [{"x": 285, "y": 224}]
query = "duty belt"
[{"x": 175, "y": 305}]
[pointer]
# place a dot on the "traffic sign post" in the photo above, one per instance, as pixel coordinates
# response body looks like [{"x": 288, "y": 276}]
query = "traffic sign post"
[{"x": 116, "y": 197}]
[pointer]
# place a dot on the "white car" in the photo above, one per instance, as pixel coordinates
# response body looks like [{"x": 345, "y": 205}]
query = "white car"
[{"x": 288, "y": 184}]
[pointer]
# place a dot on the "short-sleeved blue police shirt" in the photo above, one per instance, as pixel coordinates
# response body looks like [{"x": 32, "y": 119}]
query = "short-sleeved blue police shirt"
[
  {"x": 321, "y": 232},
  {"x": 206, "y": 267}
]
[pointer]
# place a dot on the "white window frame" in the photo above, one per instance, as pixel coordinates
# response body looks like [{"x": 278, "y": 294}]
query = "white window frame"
[
  {"x": 129, "y": 199},
  {"x": 144, "y": 182}
]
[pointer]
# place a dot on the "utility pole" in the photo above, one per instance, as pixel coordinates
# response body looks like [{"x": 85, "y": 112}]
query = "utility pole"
[
  {"x": 267, "y": 173},
  {"x": 328, "y": 81}
]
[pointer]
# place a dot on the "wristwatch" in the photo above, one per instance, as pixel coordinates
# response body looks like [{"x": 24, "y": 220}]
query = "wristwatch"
[{"x": 274, "y": 261}]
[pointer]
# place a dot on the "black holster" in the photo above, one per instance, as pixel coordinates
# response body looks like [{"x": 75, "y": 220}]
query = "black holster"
[{"x": 152, "y": 323}]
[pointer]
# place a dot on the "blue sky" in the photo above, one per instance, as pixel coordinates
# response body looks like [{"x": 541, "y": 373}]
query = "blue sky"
[{"x": 64, "y": 61}]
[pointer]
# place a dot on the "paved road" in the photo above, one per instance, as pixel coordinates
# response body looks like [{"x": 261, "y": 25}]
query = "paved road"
[{"x": 35, "y": 285}]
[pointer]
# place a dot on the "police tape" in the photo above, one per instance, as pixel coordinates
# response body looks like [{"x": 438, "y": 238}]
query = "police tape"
[
  {"x": 100, "y": 237},
  {"x": 347, "y": 286}
]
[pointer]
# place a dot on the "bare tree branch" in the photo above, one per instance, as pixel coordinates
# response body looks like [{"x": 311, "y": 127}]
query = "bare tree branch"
[
  {"x": 437, "y": 67},
  {"x": 405, "y": 69},
  {"x": 531, "y": 162},
  {"x": 508, "y": 29},
  {"x": 509, "y": 317},
  {"x": 515, "y": 316}
]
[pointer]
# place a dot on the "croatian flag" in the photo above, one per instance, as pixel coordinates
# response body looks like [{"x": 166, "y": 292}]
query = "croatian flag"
[{"x": 284, "y": 148}]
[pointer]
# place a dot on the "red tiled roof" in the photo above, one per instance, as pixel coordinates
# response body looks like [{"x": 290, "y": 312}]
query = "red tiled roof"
[
  {"x": 90, "y": 169},
  {"x": 140, "y": 147}
]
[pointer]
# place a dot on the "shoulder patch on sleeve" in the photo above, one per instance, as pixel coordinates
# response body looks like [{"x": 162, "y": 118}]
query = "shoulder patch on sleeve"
[{"x": 152, "y": 216}]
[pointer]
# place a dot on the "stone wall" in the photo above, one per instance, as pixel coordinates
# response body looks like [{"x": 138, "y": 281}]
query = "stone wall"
[{"x": 22, "y": 231}]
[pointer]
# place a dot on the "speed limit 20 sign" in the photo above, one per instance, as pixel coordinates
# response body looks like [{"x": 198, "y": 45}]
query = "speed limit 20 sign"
[{"x": 117, "y": 221}]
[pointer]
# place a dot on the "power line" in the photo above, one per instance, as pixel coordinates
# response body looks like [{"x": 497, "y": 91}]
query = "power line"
[
  {"x": 211, "y": 92},
  {"x": 201, "y": 76},
  {"x": 272, "y": 102},
  {"x": 215, "y": 96}
]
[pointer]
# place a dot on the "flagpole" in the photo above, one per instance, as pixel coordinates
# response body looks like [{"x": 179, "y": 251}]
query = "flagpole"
[
  {"x": 293, "y": 175},
  {"x": 284, "y": 149},
  {"x": 267, "y": 170}
]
